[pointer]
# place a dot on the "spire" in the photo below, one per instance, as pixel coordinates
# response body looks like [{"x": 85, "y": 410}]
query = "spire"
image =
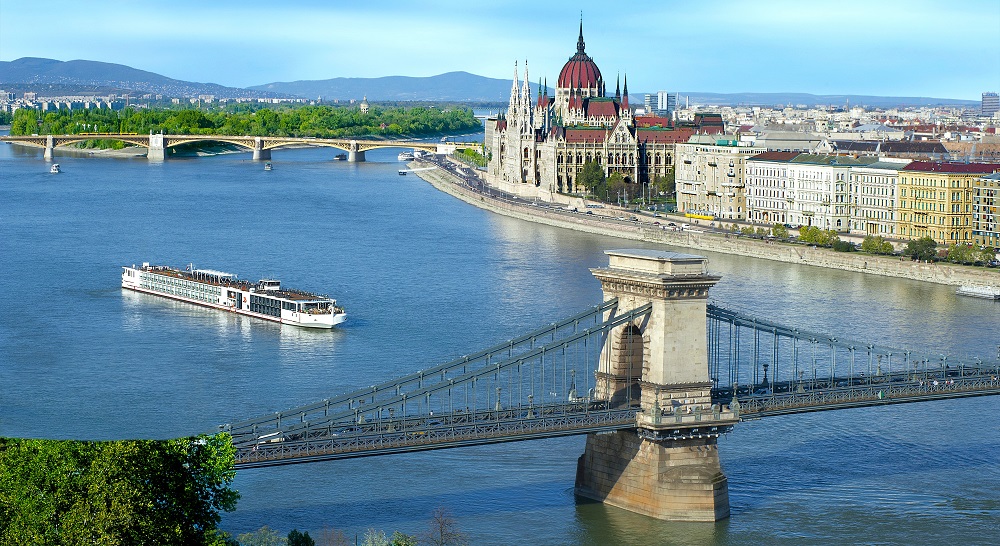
[
  {"x": 625, "y": 93},
  {"x": 579, "y": 41},
  {"x": 546, "y": 86},
  {"x": 618, "y": 88},
  {"x": 539, "y": 88}
]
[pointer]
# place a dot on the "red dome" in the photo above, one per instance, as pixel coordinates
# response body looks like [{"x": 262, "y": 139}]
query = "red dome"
[{"x": 580, "y": 71}]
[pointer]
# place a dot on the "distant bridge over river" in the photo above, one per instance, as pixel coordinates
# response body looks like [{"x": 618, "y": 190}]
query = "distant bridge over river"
[{"x": 157, "y": 145}]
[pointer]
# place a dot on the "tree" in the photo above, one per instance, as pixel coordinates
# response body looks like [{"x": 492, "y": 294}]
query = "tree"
[
  {"x": 375, "y": 538},
  {"x": 924, "y": 248},
  {"x": 122, "y": 492},
  {"x": 265, "y": 536},
  {"x": 295, "y": 538},
  {"x": 332, "y": 537},
  {"x": 876, "y": 245},
  {"x": 591, "y": 178},
  {"x": 616, "y": 186},
  {"x": 444, "y": 531},
  {"x": 779, "y": 231},
  {"x": 401, "y": 539}
]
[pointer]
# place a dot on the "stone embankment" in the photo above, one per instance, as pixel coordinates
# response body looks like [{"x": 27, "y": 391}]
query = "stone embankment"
[{"x": 889, "y": 266}]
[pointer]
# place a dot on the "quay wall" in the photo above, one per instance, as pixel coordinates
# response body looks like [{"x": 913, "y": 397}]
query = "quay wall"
[{"x": 889, "y": 266}]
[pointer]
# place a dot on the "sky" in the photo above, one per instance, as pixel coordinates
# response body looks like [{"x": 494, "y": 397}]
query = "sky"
[{"x": 942, "y": 49}]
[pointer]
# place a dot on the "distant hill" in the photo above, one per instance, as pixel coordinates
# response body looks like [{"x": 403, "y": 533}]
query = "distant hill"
[
  {"x": 451, "y": 87},
  {"x": 55, "y": 78},
  {"x": 71, "y": 77}
]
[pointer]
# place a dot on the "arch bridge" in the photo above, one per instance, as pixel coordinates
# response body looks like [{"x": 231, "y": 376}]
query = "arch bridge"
[
  {"x": 158, "y": 144},
  {"x": 653, "y": 375}
]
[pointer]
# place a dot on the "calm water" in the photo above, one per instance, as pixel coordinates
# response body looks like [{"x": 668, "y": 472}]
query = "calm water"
[{"x": 426, "y": 278}]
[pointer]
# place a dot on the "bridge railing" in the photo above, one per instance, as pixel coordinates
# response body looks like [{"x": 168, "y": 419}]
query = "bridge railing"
[{"x": 554, "y": 363}]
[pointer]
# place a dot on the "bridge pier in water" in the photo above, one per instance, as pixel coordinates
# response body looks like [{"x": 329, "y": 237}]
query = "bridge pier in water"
[
  {"x": 355, "y": 154},
  {"x": 668, "y": 467},
  {"x": 259, "y": 152},
  {"x": 157, "y": 150},
  {"x": 49, "y": 147}
]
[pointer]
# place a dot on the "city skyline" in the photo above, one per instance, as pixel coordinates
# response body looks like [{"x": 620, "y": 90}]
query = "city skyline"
[{"x": 892, "y": 48}]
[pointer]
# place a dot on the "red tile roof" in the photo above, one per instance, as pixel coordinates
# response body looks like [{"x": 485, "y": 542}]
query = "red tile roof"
[
  {"x": 586, "y": 134},
  {"x": 657, "y": 135},
  {"x": 652, "y": 121},
  {"x": 601, "y": 109}
]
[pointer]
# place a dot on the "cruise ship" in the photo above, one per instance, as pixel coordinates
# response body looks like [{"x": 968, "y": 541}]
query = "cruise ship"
[{"x": 265, "y": 299}]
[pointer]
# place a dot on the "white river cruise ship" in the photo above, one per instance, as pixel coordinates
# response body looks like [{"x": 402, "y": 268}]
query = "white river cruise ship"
[{"x": 219, "y": 290}]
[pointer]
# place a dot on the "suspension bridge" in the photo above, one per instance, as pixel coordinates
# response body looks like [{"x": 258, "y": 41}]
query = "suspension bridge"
[{"x": 653, "y": 375}]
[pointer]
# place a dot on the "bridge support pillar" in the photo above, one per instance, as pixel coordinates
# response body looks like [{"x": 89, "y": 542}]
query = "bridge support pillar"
[
  {"x": 259, "y": 152},
  {"x": 354, "y": 155},
  {"x": 668, "y": 467},
  {"x": 49, "y": 147},
  {"x": 157, "y": 150},
  {"x": 677, "y": 480}
]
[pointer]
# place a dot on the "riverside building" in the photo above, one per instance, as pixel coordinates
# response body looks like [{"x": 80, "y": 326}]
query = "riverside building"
[
  {"x": 709, "y": 176},
  {"x": 936, "y": 200},
  {"x": 986, "y": 210},
  {"x": 874, "y": 198},
  {"x": 538, "y": 147}
]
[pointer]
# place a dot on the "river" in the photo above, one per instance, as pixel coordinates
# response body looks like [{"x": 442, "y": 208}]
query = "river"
[{"x": 425, "y": 278}]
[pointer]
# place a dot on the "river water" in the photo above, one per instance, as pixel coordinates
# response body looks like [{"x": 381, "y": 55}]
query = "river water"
[{"x": 425, "y": 278}]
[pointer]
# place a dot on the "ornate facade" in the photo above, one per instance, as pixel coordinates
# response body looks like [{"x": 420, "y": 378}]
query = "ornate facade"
[{"x": 540, "y": 145}]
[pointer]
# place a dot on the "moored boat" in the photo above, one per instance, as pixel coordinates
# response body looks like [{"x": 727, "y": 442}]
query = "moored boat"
[
  {"x": 340, "y": 157},
  {"x": 405, "y": 156},
  {"x": 265, "y": 299}
]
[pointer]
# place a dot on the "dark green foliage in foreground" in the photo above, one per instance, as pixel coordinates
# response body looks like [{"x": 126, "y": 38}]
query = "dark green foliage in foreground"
[
  {"x": 321, "y": 121},
  {"x": 924, "y": 248},
  {"x": 161, "y": 492}
]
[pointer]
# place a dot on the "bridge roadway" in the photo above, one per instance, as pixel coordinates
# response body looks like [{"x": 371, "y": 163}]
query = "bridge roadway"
[
  {"x": 417, "y": 412},
  {"x": 157, "y": 144}
]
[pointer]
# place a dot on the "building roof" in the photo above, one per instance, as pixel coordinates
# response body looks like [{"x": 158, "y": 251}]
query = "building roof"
[
  {"x": 599, "y": 107},
  {"x": 580, "y": 71},
  {"x": 783, "y": 157},
  {"x": 653, "y": 121},
  {"x": 833, "y": 160},
  {"x": 956, "y": 168},
  {"x": 886, "y": 165},
  {"x": 585, "y": 134},
  {"x": 660, "y": 135}
]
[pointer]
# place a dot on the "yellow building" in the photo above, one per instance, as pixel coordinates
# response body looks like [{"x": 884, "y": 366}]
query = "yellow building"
[{"x": 936, "y": 199}]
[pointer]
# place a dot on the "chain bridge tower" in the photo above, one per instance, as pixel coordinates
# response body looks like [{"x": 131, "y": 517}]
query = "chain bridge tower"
[{"x": 668, "y": 467}]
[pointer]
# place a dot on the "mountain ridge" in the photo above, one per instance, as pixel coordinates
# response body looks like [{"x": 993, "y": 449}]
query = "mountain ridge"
[{"x": 457, "y": 86}]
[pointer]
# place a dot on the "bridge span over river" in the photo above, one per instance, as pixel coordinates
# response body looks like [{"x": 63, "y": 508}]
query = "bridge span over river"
[
  {"x": 653, "y": 375},
  {"x": 158, "y": 145}
]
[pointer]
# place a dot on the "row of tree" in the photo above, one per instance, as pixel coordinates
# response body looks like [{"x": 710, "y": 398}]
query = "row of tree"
[
  {"x": 613, "y": 187},
  {"x": 167, "y": 492},
  {"x": 321, "y": 121}
]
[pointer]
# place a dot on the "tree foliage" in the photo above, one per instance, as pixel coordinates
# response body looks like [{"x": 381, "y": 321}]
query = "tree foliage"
[
  {"x": 817, "y": 236},
  {"x": 924, "y": 248},
  {"x": 321, "y": 121},
  {"x": 591, "y": 178},
  {"x": 296, "y": 538},
  {"x": 121, "y": 492},
  {"x": 779, "y": 231},
  {"x": 876, "y": 245}
]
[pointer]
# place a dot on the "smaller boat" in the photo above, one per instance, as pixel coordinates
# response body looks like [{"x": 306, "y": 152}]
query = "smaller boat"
[
  {"x": 267, "y": 166},
  {"x": 54, "y": 169},
  {"x": 340, "y": 157},
  {"x": 405, "y": 156},
  {"x": 985, "y": 292},
  {"x": 402, "y": 172}
]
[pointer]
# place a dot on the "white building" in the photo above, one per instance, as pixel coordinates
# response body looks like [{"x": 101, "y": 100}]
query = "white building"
[
  {"x": 874, "y": 196},
  {"x": 818, "y": 190},
  {"x": 766, "y": 181}
]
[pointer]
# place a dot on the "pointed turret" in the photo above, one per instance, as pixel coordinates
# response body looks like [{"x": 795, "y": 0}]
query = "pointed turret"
[
  {"x": 625, "y": 95},
  {"x": 579, "y": 41},
  {"x": 618, "y": 88}
]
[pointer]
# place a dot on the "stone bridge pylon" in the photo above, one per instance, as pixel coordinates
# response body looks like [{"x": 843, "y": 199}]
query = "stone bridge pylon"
[{"x": 668, "y": 467}]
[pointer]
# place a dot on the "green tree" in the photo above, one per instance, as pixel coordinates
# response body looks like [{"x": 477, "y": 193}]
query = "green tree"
[
  {"x": 924, "y": 248},
  {"x": 591, "y": 178},
  {"x": 374, "y": 537},
  {"x": 986, "y": 255},
  {"x": 616, "y": 186},
  {"x": 779, "y": 231},
  {"x": 401, "y": 539},
  {"x": 123, "y": 492},
  {"x": 295, "y": 538},
  {"x": 265, "y": 536},
  {"x": 876, "y": 245}
]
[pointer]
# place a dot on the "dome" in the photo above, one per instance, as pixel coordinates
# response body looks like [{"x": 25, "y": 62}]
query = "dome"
[{"x": 580, "y": 71}]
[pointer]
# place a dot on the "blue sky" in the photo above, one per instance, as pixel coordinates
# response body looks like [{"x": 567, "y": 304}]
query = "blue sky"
[{"x": 874, "y": 47}]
